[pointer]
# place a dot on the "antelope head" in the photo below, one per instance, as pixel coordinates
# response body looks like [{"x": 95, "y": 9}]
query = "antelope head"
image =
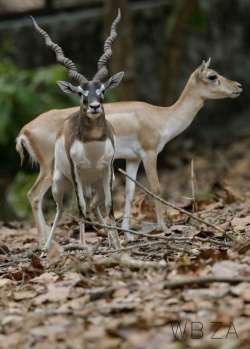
[
  {"x": 212, "y": 85},
  {"x": 91, "y": 92}
]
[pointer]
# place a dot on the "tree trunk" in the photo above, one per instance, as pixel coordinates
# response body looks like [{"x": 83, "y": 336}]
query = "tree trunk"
[
  {"x": 123, "y": 49},
  {"x": 176, "y": 40}
]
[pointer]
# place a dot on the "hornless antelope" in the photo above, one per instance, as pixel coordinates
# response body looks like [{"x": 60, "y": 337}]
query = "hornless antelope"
[
  {"x": 85, "y": 146},
  {"x": 142, "y": 130}
]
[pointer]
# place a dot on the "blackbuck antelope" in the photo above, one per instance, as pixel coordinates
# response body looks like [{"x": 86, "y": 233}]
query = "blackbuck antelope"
[
  {"x": 85, "y": 146},
  {"x": 142, "y": 130}
]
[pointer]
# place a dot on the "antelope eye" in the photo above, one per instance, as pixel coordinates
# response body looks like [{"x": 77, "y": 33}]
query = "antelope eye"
[
  {"x": 100, "y": 92},
  {"x": 212, "y": 77}
]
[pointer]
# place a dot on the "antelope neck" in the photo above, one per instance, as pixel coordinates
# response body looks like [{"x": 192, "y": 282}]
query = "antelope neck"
[
  {"x": 187, "y": 106},
  {"x": 176, "y": 118},
  {"x": 87, "y": 129},
  {"x": 190, "y": 100}
]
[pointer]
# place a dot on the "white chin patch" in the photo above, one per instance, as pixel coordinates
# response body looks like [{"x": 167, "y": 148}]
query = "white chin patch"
[{"x": 93, "y": 114}]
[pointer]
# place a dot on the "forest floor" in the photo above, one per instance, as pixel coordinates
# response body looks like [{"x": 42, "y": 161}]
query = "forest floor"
[{"x": 131, "y": 299}]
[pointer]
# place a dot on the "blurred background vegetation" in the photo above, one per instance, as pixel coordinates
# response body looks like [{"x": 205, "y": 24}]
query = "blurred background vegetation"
[{"x": 160, "y": 43}]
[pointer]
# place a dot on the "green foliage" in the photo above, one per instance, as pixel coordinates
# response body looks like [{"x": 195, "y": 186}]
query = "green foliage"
[
  {"x": 198, "y": 20},
  {"x": 26, "y": 93},
  {"x": 23, "y": 95}
]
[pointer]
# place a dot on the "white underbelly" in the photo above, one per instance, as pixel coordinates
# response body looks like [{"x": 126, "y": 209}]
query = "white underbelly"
[
  {"x": 127, "y": 147},
  {"x": 91, "y": 159}
]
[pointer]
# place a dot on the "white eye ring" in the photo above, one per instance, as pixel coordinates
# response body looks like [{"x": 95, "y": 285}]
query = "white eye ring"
[
  {"x": 85, "y": 93},
  {"x": 98, "y": 92}
]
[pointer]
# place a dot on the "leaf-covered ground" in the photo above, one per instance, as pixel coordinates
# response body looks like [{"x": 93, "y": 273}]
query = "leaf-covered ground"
[{"x": 106, "y": 300}]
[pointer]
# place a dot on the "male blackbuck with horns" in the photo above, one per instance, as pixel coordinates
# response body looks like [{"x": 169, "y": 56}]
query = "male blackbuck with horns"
[
  {"x": 142, "y": 130},
  {"x": 85, "y": 147}
]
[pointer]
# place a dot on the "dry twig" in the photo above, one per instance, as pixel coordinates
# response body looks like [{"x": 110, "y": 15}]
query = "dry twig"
[
  {"x": 167, "y": 203},
  {"x": 194, "y": 281},
  {"x": 149, "y": 244},
  {"x": 14, "y": 262},
  {"x": 123, "y": 260},
  {"x": 192, "y": 175},
  {"x": 128, "y": 262},
  {"x": 154, "y": 236}
]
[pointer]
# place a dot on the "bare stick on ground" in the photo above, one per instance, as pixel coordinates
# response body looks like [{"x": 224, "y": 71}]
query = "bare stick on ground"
[
  {"x": 199, "y": 281},
  {"x": 150, "y": 236},
  {"x": 193, "y": 182},
  {"x": 123, "y": 260},
  {"x": 156, "y": 236},
  {"x": 167, "y": 203},
  {"x": 77, "y": 247}
]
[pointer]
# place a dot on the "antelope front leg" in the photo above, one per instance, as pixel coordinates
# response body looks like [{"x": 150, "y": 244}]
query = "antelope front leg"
[
  {"x": 150, "y": 165},
  {"x": 107, "y": 184},
  {"x": 81, "y": 203}
]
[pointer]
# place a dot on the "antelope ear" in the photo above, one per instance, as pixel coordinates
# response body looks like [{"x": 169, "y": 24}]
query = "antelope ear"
[
  {"x": 201, "y": 68},
  {"x": 207, "y": 64},
  {"x": 204, "y": 65},
  {"x": 114, "y": 81},
  {"x": 67, "y": 87}
]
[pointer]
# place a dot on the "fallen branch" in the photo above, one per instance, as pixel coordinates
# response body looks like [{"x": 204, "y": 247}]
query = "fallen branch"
[
  {"x": 157, "y": 236},
  {"x": 212, "y": 241},
  {"x": 123, "y": 260},
  {"x": 14, "y": 262},
  {"x": 75, "y": 247},
  {"x": 78, "y": 247},
  {"x": 152, "y": 236},
  {"x": 149, "y": 244},
  {"x": 193, "y": 186},
  {"x": 128, "y": 262},
  {"x": 167, "y": 203},
  {"x": 204, "y": 280},
  {"x": 129, "y": 248}
]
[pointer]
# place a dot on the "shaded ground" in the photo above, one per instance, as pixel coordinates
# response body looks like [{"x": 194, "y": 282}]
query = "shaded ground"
[{"x": 105, "y": 300}]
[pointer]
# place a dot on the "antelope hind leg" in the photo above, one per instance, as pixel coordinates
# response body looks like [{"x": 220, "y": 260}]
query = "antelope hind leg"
[
  {"x": 150, "y": 165},
  {"x": 35, "y": 196},
  {"x": 131, "y": 169},
  {"x": 59, "y": 185}
]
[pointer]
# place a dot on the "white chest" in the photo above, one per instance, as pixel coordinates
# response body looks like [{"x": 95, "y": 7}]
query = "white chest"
[
  {"x": 173, "y": 128},
  {"x": 92, "y": 155}
]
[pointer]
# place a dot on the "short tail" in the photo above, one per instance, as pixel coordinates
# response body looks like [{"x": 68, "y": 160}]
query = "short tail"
[{"x": 20, "y": 148}]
